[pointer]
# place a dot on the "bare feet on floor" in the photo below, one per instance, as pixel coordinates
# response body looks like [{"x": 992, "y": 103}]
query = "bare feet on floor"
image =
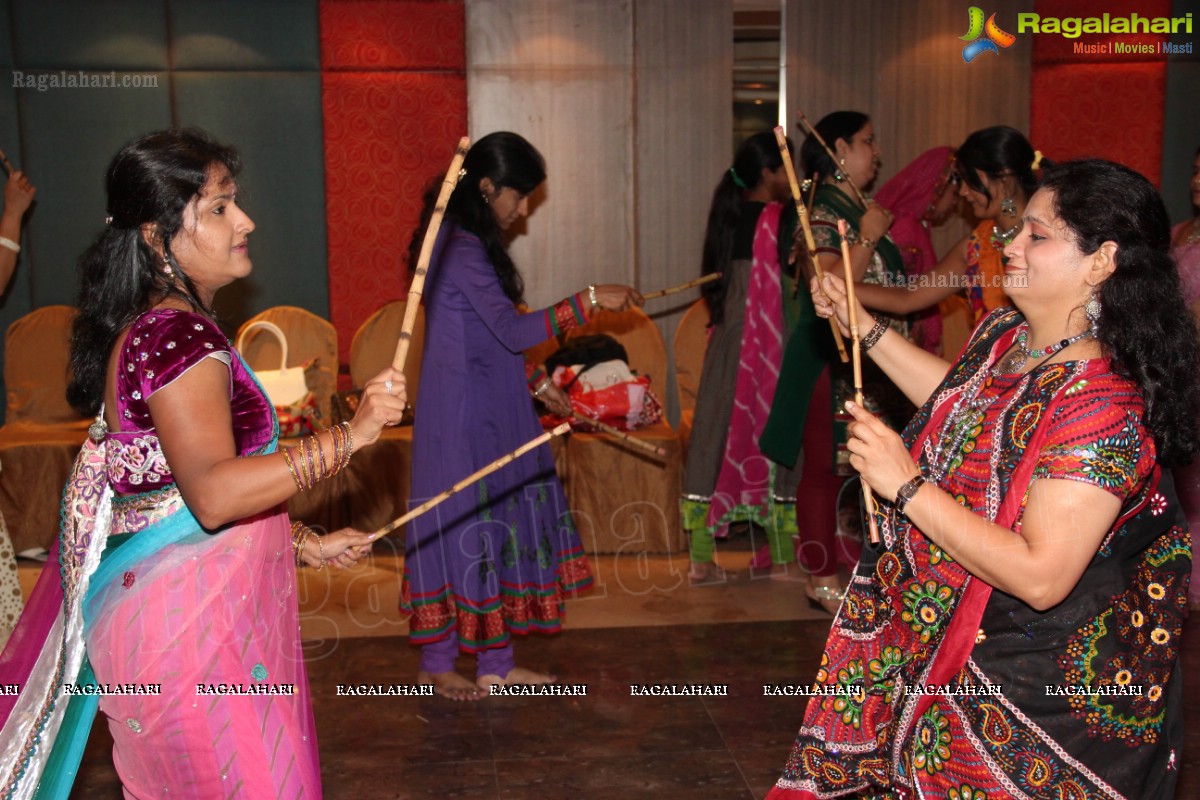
[
  {"x": 452, "y": 686},
  {"x": 518, "y": 676},
  {"x": 708, "y": 574}
]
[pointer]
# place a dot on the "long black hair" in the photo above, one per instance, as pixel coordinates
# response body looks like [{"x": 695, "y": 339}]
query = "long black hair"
[
  {"x": 833, "y": 126},
  {"x": 150, "y": 181},
  {"x": 508, "y": 160},
  {"x": 997, "y": 152},
  {"x": 759, "y": 152},
  {"x": 1145, "y": 327}
]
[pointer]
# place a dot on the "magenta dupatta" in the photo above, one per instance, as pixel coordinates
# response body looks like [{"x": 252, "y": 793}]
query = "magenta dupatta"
[{"x": 744, "y": 476}]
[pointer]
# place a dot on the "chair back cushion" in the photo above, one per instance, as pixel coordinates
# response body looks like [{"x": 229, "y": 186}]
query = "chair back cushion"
[
  {"x": 374, "y": 346},
  {"x": 691, "y": 340},
  {"x": 37, "y": 355}
]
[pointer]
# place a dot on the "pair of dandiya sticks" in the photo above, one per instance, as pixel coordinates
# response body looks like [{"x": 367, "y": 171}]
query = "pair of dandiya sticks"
[{"x": 410, "y": 319}]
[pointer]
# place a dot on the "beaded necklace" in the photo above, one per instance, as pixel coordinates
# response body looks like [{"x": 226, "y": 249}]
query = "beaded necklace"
[
  {"x": 1015, "y": 361},
  {"x": 968, "y": 412}
]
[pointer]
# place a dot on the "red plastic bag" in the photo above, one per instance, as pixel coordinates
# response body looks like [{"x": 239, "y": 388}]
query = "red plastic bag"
[{"x": 610, "y": 393}]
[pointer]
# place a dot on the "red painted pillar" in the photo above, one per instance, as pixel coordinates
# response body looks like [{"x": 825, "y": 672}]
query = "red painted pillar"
[{"x": 394, "y": 100}]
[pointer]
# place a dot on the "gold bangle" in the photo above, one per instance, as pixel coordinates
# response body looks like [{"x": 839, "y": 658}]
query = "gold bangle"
[
  {"x": 349, "y": 442},
  {"x": 870, "y": 244},
  {"x": 321, "y": 452},
  {"x": 287, "y": 459},
  {"x": 321, "y": 551},
  {"x": 592, "y": 295}
]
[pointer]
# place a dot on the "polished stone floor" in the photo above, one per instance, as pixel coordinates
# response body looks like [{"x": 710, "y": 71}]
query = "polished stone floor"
[{"x": 646, "y": 626}]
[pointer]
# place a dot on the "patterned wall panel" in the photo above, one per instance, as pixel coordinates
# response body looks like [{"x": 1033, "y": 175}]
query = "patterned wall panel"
[
  {"x": 389, "y": 131},
  {"x": 368, "y": 35},
  {"x": 1099, "y": 103}
]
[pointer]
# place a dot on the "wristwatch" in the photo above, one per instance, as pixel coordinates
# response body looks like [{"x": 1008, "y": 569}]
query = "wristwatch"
[{"x": 907, "y": 492}]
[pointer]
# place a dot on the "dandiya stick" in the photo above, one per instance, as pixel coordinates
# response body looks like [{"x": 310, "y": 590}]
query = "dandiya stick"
[
  {"x": 475, "y": 476},
  {"x": 620, "y": 434},
  {"x": 802, "y": 212},
  {"x": 804, "y": 123},
  {"x": 851, "y": 304},
  {"x": 709, "y": 278},
  {"x": 812, "y": 188},
  {"x": 418, "y": 283},
  {"x": 6, "y": 164}
]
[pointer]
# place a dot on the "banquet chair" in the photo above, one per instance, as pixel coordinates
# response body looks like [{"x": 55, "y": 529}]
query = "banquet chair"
[
  {"x": 42, "y": 433},
  {"x": 690, "y": 344},
  {"x": 625, "y": 500},
  {"x": 308, "y": 337}
]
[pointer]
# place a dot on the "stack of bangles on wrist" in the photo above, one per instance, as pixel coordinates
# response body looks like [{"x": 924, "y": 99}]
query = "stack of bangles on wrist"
[
  {"x": 300, "y": 534},
  {"x": 874, "y": 335},
  {"x": 541, "y": 387},
  {"x": 306, "y": 461}
]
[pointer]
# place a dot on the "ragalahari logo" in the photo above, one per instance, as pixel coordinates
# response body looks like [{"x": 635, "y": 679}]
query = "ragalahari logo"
[{"x": 994, "y": 37}]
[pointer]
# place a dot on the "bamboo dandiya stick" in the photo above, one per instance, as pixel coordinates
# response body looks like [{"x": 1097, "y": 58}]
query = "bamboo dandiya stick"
[
  {"x": 703, "y": 279},
  {"x": 851, "y": 305},
  {"x": 620, "y": 434},
  {"x": 829, "y": 152},
  {"x": 475, "y": 476},
  {"x": 812, "y": 188},
  {"x": 810, "y": 245},
  {"x": 6, "y": 164},
  {"x": 418, "y": 283}
]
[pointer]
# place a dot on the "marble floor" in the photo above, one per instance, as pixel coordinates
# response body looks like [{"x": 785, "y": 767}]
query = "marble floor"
[{"x": 643, "y": 624}]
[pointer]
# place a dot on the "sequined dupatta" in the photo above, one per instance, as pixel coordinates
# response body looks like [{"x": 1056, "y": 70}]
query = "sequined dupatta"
[{"x": 46, "y": 651}]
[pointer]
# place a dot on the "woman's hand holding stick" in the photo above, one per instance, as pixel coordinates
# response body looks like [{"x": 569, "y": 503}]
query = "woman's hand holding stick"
[{"x": 852, "y": 307}]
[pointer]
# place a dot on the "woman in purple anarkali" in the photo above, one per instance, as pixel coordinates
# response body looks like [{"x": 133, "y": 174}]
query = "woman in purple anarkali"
[{"x": 500, "y": 557}]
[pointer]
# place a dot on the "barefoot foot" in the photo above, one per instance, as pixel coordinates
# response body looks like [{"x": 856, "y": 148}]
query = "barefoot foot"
[
  {"x": 452, "y": 686},
  {"x": 708, "y": 574},
  {"x": 516, "y": 675}
]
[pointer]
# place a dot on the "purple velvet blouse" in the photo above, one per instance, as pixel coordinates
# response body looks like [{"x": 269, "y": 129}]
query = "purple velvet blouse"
[{"x": 162, "y": 345}]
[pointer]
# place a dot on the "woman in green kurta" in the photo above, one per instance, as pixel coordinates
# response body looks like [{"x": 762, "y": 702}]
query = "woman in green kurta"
[{"x": 809, "y": 367}]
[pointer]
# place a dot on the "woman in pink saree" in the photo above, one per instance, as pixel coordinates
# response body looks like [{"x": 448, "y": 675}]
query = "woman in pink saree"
[{"x": 174, "y": 605}]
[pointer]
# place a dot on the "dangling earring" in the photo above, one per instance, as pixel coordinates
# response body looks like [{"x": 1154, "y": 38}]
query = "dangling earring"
[
  {"x": 1008, "y": 207},
  {"x": 1092, "y": 310},
  {"x": 167, "y": 267},
  {"x": 838, "y": 175},
  {"x": 483, "y": 194}
]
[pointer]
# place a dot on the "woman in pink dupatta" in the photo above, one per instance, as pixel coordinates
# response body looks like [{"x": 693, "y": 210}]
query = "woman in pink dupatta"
[
  {"x": 726, "y": 478},
  {"x": 177, "y": 596},
  {"x": 1017, "y": 633}
]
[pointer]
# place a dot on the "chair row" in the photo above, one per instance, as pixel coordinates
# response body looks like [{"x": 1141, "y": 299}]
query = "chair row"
[{"x": 623, "y": 500}]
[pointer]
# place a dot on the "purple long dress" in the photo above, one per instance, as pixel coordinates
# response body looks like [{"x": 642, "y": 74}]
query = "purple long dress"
[{"x": 501, "y": 556}]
